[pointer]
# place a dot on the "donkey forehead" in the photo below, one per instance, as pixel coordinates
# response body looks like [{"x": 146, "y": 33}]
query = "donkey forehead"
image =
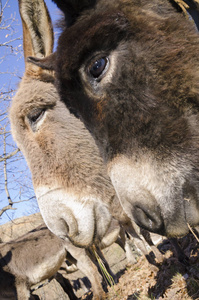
[
  {"x": 86, "y": 35},
  {"x": 34, "y": 93},
  {"x": 114, "y": 21},
  {"x": 123, "y": 28}
]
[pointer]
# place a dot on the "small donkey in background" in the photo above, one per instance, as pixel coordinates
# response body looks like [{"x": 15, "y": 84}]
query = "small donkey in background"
[{"x": 34, "y": 257}]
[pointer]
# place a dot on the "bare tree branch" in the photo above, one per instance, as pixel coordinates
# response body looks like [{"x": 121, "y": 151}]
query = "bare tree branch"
[
  {"x": 5, "y": 173},
  {"x": 15, "y": 181},
  {"x": 5, "y": 208},
  {"x": 11, "y": 154}
]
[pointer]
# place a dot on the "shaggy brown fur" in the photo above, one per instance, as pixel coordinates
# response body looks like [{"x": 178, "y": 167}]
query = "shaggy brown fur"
[
  {"x": 60, "y": 151},
  {"x": 74, "y": 192},
  {"x": 142, "y": 107}
]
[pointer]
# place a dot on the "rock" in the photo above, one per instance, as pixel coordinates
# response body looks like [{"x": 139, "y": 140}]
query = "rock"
[{"x": 18, "y": 227}]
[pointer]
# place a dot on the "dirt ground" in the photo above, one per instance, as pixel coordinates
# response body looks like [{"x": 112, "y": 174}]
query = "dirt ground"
[{"x": 171, "y": 280}]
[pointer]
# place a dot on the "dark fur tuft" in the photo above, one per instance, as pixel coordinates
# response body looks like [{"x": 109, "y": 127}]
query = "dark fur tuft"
[{"x": 73, "y": 8}]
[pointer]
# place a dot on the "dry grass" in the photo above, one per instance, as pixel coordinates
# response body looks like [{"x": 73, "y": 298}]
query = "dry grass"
[{"x": 172, "y": 280}]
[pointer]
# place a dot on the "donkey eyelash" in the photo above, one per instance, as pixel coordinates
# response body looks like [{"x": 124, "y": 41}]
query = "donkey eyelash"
[
  {"x": 36, "y": 117},
  {"x": 36, "y": 114}
]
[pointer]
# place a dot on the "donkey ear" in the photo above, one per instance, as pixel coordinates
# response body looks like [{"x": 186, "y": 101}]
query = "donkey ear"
[
  {"x": 47, "y": 63},
  {"x": 38, "y": 36},
  {"x": 72, "y": 8}
]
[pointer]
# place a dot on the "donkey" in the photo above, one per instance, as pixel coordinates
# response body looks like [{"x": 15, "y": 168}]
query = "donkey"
[
  {"x": 129, "y": 69},
  {"x": 74, "y": 192},
  {"x": 37, "y": 256}
]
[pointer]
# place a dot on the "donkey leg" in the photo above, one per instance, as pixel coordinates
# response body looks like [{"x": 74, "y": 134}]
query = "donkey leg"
[
  {"x": 141, "y": 245},
  {"x": 124, "y": 243},
  {"x": 85, "y": 264},
  {"x": 131, "y": 260},
  {"x": 90, "y": 270},
  {"x": 23, "y": 290},
  {"x": 159, "y": 256}
]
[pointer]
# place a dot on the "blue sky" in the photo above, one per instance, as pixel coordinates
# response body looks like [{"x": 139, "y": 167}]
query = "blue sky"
[
  {"x": 11, "y": 63},
  {"x": 11, "y": 71}
]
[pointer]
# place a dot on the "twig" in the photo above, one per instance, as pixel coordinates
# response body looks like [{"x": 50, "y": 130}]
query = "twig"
[
  {"x": 8, "y": 207},
  {"x": 184, "y": 6},
  {"x": 192, "y": 232},
  {"x": 5, "y": 157}
]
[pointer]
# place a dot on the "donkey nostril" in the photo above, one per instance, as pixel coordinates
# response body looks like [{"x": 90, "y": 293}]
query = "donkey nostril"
[
  {"x": 149, "y": 219},
  {"x": 65, "y": 227},
  {"x": 69, "y": 225}
]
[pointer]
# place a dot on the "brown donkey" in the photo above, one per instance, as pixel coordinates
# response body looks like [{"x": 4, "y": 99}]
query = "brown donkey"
[
  {"x": 74, "y": 193},
  {"x": 130, "y": 70}
]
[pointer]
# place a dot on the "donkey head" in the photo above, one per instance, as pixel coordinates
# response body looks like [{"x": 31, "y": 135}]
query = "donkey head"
[
  {"x": 69, "y": 177},
  {"x": 129, "y": 69}
]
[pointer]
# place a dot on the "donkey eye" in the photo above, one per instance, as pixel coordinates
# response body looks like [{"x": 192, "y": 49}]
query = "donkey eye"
[
  {"x": 35, "y": 115},
  {"x": 99, "y": 67}
]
